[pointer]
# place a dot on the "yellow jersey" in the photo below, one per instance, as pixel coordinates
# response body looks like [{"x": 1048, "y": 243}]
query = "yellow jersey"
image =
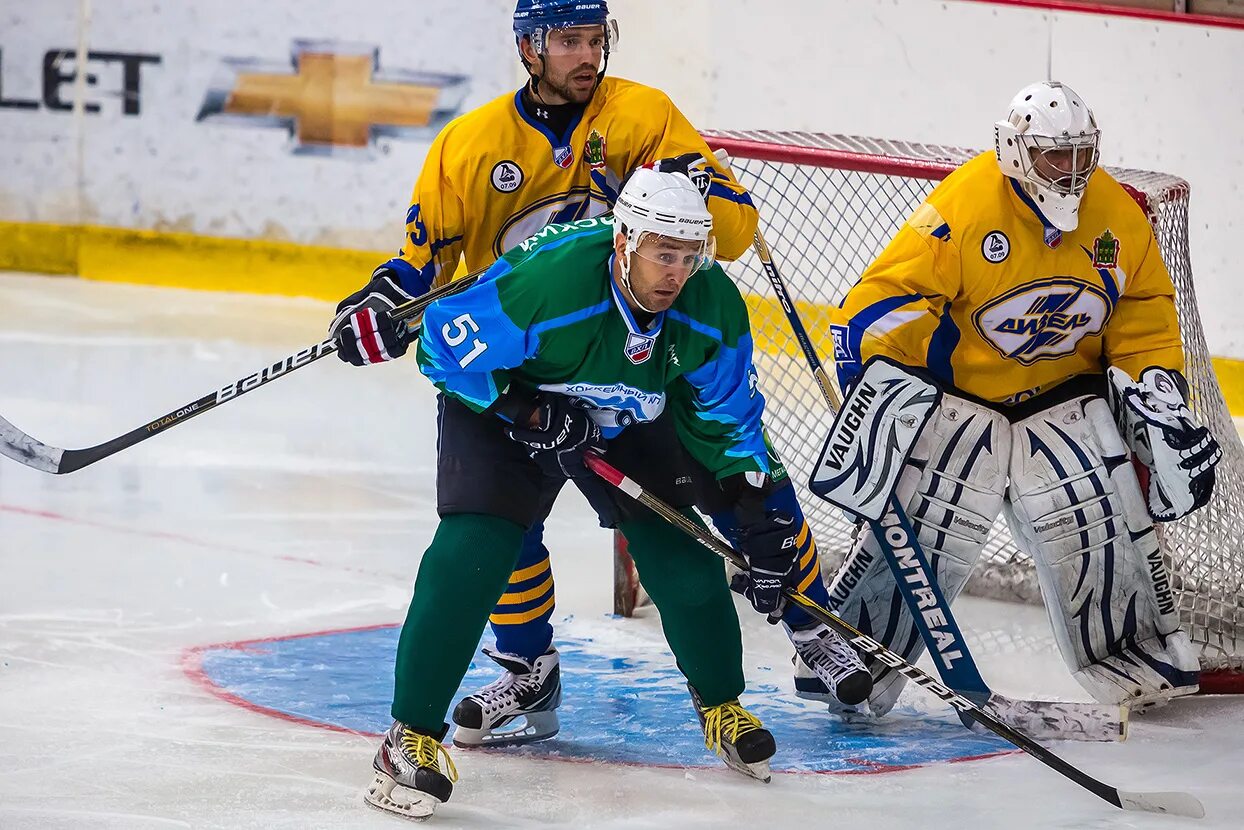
[
  {"x": 981, "y": 290},
  {"x": 495, "y": 175}
]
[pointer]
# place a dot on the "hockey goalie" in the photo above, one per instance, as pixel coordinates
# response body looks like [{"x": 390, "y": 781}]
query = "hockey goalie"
[{"x": 1029, "y": 288}]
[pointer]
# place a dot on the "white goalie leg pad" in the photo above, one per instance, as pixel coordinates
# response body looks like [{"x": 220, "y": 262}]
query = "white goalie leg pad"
[
  {"x": 952, "y": 489},
  {"x": 1075, "y": 506}
]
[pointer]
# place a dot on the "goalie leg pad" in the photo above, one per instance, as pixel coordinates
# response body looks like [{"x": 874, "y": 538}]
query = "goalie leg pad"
[
  {"x": 952, "y": 491},
  {"x": 1075, "y": 506}
]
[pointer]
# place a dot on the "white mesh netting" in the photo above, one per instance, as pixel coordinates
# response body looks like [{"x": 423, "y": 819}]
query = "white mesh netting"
[{"x": 828, "y": 205}]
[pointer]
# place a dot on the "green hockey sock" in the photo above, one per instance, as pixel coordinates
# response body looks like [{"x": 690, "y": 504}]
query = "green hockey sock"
[
  {"x": 688, "y": 585},
  {"x": 463, "y": 574}
]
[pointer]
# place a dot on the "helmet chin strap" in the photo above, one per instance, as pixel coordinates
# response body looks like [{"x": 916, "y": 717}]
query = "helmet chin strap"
[{"x": 625, "y": 265}]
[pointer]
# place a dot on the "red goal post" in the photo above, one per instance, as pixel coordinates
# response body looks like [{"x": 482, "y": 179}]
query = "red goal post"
[{"x": 828, "y": 205}]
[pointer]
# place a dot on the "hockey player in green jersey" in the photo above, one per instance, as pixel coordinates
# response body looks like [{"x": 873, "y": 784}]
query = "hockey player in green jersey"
[{"x": 576, "y": 341}]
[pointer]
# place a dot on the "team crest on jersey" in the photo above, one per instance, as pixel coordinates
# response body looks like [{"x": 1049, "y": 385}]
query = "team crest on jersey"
[
  {"x": 995, "y": 247},
  {"x": 563, "y": 157},
  {"x": 1042, "y": 320},
  {"x": 638, "y": 348},
  {"x": 1053, "y": 237},
  {"x": 1106, "y": 250},
  {"x": 594, "y": 151},
  {"x": 507, "y": 176}
]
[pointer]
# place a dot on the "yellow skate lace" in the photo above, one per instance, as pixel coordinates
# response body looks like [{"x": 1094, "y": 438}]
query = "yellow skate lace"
[
  {"x": 729, "y": 719},
  {"x": 425, "y": 749}
]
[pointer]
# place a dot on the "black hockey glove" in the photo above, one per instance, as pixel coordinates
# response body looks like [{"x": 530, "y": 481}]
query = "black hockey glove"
[
  {"x": 699, "y": 176},
  {"x": 766, "y": 538},
  {"x": 362, "y": 329},
  {"x": 769, "y": 546},
  {"x": 561, "y": 434}
]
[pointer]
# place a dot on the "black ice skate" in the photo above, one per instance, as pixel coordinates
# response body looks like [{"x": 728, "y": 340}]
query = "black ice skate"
[
  {"x": 827, "y": 666},
  {"x": 409, "y": 780},
  {"x": 517, "y": 708},
  {"x": 736, "y": 735}
]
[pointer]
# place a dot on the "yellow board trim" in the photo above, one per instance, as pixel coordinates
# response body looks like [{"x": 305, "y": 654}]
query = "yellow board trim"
[{"x": 184, "y": 260}]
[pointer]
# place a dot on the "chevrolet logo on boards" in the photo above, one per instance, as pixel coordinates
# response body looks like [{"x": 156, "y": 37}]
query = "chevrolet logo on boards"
[{"x": 336, "y": 98}]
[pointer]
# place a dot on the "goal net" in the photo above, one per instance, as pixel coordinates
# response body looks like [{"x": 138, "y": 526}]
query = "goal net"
[{"x": 828, "y": 205}]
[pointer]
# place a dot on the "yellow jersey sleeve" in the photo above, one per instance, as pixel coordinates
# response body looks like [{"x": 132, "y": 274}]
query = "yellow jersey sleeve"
[
  {"x": 1144, "y": 330},
  {"x": 896, "y": 306},
  {"x": 435, "y": 223}
]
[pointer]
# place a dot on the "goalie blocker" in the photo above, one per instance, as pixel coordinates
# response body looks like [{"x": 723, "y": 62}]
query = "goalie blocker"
[{"x": 1059, "y": 469}]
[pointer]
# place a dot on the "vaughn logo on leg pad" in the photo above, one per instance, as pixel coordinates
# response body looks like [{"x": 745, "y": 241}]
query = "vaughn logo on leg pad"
[{"x": 872, "y": 437}]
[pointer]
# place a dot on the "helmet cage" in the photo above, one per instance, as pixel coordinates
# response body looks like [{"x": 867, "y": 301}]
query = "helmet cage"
[
  {"x": 703, "y": 256},
  {"x": 1069, "y": 179},
  {"x": 543, "y": 44}
]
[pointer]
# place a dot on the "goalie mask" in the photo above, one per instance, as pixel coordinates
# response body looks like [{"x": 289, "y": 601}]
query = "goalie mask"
[
  {"x": 655, "y": 205},
  {"x": 1048, "y": 144}
]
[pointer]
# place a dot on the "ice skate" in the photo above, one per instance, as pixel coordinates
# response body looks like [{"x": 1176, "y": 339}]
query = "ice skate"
[
  {"x": 827, "y": 666},
  {"x": 409, "y": 780},
  {"x": 519, "y": 707},
  {"x": 737, "y": 736}
]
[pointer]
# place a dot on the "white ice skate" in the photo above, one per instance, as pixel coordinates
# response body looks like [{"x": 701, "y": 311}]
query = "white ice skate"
[
  {"x": 519, "y": 707},
  {"x": 826, "y": 666}
]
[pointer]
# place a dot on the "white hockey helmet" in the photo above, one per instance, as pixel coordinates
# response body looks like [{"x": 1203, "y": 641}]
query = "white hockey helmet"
[
  {"x": 664, "y": 204},
  {"x": 1048, "y": 143}
]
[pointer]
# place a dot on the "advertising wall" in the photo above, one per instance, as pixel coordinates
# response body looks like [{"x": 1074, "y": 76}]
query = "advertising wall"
[{"x": 272, "y": 146}]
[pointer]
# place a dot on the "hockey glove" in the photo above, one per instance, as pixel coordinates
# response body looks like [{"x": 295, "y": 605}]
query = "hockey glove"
[
  {"x": 1156, "y": 424},
  {"x": 557, "y": 436},
  {"x": 769, "y": 546},
  {"x": 363, "y": 330},
  {"x": 699, "y": 176}
]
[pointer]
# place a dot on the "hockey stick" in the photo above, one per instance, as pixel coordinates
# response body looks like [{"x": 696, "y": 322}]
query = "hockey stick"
[
  {"x": 910, "y": 566},
  {"x": 1174, "y": 803},
  {"x": 33, "y": 453}
]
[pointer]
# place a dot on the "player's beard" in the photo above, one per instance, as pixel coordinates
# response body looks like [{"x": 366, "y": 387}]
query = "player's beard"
[{"x": 567, "y": 89}]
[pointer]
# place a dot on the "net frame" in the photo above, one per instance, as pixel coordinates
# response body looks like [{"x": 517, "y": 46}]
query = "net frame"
[{"x": 828, "y": 205}]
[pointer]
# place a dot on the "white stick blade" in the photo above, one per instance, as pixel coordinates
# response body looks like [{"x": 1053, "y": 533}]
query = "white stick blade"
[
  {"x": 1051, "y": 720},
  {"x": 1174, "y": 804},
  {"x": 23, "y": 449}
]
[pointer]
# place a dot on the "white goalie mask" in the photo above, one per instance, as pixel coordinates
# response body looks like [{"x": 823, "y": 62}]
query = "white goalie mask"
[
  {"x": 663, "y": 205},
  {"x": 1048, "y": 143}
]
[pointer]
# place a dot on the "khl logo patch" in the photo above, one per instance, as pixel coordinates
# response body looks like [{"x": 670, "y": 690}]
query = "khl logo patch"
[
  {"x": 1043, "y": 319},
  {"x": 638, "y": 348}
]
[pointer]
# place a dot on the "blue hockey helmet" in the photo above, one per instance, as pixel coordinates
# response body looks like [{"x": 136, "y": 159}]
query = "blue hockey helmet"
[{"x": 534, "y": 19}]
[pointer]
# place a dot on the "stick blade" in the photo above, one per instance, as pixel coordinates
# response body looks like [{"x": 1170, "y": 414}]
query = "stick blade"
[
  {"x": 23, "y": 449},
  {"x": 1052, "y": 720},
  {"x": 1172, "y": 803}
]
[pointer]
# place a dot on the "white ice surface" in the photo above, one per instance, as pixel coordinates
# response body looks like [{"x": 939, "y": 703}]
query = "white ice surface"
[{"x": 305, "y": 507}]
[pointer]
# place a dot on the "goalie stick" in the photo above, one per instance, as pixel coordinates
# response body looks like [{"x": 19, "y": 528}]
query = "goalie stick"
[
  {"x": 34, "y": 453},
  {"x": 1044, "y": 720},
  {"x": 1173, "y": 803}
]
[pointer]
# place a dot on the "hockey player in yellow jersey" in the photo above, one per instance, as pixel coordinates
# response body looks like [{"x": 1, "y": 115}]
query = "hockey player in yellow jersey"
[
  {"x": 1030, "y": 287},
  {"x": 557, "y": 151}
]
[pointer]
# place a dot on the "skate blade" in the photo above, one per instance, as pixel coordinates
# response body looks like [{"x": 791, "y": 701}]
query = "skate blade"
[
  {"x": 386, "y": 795},
  {"x": 759, "y": 770},
  {"x": 525, "y": 729}
]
